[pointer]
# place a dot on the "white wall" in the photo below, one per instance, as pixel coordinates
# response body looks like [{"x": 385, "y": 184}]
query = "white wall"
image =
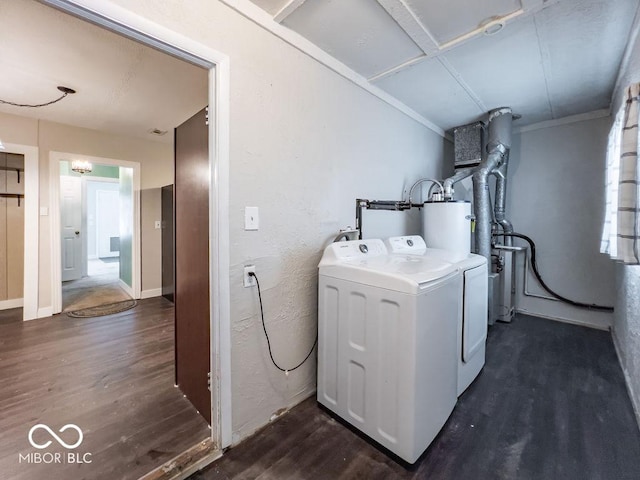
[
  {"x": 556, "y": 197},
  {"x": 305, "y": 143},
  {"x": 626, "y": 326}
]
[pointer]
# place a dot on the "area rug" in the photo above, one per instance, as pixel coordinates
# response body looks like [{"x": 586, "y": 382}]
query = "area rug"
[{"x": 102, "y": 310}]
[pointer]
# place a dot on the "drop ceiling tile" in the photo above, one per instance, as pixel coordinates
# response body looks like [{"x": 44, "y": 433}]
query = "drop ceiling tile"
[
  {"x": 449, "y": 19},
  {"x": 429, "y": 89},
  {"x": 359, "y": 33},
  {"x": 583, "y": 42},
  {"x": 506, "y": 69}
]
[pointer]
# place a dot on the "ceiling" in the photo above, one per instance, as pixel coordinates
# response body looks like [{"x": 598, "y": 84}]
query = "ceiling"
[
  {"x": 123, "y": 87},
  {"x": 551, "y": 59}
]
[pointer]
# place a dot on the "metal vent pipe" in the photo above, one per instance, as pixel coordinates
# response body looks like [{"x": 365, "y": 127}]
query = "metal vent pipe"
[{"x": 498, "y": 146}]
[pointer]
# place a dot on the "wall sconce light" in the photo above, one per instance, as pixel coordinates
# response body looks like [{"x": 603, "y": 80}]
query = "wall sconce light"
[{"x": 81, "y": 166}]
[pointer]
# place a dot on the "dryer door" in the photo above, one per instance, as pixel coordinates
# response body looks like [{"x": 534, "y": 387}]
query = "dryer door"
[{"x": 475, "y": 311}]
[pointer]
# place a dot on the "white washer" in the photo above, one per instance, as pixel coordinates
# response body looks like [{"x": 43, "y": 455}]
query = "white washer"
[
  {"x": 387, "y": 343},
  {"x": 472, "y": 299}
]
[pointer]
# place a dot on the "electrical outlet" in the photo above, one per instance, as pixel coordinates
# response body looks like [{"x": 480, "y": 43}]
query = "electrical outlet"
[{"x": 249, "y": 281}]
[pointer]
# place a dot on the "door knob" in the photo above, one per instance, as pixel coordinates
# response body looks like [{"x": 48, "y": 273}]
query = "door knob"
[{"x": 77, "y": 232}]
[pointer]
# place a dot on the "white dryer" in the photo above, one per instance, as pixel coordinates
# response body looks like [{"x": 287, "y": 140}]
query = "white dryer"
[
  {"x": 472, "y": 302},
  {"x": 387, "y": 343}
]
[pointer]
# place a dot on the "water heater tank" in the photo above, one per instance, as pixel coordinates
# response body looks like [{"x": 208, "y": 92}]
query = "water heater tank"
[{"x": 447, "y": 225}]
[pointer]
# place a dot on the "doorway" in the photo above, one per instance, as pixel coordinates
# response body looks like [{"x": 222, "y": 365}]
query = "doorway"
[
  {"x": 118, "y": 19},
  {"x": 81, "y": 278},
  {"x": 95, "y": 214}
]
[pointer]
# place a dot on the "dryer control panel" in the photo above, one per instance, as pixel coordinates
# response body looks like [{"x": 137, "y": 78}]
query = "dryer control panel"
[
  {"x": 342, "y": 251},
  {"x": 406, "y": 244}
]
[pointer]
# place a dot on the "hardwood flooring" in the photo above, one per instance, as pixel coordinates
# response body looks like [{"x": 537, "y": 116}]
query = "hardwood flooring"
[
  {"x": 111, "y": 376},
  {"x": 551, "y": 403}
]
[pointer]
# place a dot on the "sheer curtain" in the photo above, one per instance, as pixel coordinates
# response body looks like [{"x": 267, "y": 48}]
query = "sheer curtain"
[{"x": 621, "y": 232}]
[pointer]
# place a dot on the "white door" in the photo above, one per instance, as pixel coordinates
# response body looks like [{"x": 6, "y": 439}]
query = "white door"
[
  {"x": 108, "y": 222},
  {"x": 71, "y": 220}
]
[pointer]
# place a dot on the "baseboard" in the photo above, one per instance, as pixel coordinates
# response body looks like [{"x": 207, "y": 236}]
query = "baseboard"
[
  {"x": 635, "y": 399},
  {"x": 128, "y": 290},
  {"x": 13, "y": 303},
  {"x": 45, "y": 312},
  {"x": 564, "y": 320},
  {"x": 152, "y": 292}
]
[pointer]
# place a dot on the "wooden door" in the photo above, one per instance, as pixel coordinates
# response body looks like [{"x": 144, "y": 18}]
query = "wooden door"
[{"x": 191, "y": 195}]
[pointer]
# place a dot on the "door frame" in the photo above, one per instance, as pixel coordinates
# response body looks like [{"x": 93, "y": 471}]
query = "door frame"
[
  {"x": 31, "y": 227},
  {"x": 54, "y": 214},
  {"x": 120, "y": 20}
]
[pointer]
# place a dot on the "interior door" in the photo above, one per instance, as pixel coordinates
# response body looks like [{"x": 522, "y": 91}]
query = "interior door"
[
  {"x": 191, "y": 297},
  {"x": 71, "y": 220}
]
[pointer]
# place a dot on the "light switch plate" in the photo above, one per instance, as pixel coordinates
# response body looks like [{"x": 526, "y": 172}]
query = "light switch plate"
[
  {"x": 158, "y": 224},
  {"x": 251, "y": 218}
]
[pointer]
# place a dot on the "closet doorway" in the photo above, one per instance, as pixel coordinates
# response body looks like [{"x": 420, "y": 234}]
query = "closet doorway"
[
  {"x": 11, "y": 230},
  {"x": 19, "y": 229}
]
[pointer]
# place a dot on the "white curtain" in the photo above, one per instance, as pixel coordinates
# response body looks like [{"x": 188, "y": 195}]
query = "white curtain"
[{"x": 621, "y": 232}]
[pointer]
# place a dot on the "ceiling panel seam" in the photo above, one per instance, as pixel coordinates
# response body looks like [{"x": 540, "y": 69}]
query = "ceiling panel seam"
[
  {"x": 458, "y": 78},
  {"x": 545, "y": 58},
  {"x": 290, "y": 7},
  {"x": 255, "y": 14},
  {"x": 397, "y": 68},
  {"x": 411, "y": 25}
]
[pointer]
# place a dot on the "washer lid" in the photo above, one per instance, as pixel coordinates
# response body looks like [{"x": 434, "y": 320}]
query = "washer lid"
[{"x": 403, "y": 273}]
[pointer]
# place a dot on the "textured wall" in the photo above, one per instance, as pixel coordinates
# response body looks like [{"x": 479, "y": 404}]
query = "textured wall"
[
  {"x": 556, "y": 196},
  {"x": 305, "y": 143},
  {"x": 626, "y": 327}
]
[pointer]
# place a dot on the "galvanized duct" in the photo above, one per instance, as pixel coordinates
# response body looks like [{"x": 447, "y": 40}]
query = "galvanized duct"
[
  {"x": 499, "y": 208},
  {"x": 498, "y": 146}
]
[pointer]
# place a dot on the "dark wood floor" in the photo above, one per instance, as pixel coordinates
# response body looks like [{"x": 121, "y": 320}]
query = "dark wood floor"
[
  {"x": 550, "y": 404},
  {"x": 112, "y": 376}
]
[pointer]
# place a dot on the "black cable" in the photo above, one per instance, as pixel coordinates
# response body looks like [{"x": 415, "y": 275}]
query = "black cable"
[
  {"x": 534, "y": 265},
  {"x": 285, "y": 370},
  {"x": 36, "y": 105}
]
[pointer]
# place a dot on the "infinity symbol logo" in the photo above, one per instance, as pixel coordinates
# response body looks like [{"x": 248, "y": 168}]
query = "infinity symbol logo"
[{"x": 53, "y": 434}]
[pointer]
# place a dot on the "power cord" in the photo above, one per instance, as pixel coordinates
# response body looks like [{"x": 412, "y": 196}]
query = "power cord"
[
  {"x": 285, "y": 370},
  {"x": 536, "y": 272}
]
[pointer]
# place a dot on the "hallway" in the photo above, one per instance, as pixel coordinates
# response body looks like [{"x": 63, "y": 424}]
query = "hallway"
[{"x": 111, "y": 376}]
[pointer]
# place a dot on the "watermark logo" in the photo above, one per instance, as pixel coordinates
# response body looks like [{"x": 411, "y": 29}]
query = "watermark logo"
[
  {"x": 56, "y": 437},
  {"x": 53, "y": 457}
]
